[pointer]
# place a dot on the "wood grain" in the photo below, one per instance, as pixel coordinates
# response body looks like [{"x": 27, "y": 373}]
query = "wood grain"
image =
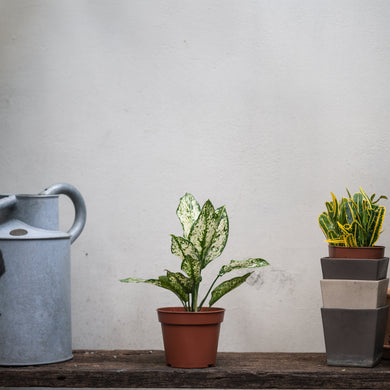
[{"x": 121, "y": 368}]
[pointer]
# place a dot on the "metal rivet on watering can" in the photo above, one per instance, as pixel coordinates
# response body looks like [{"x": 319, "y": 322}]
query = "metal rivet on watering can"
[{"x": 35, "y": 321}]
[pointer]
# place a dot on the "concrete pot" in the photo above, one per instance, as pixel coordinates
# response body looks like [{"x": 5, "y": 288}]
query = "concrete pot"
[
  {"x": 356, "y": 269},
  {"x": 386, "y": 346},
  {"x": 354, "y": 294},
  {"x": 355, "y": 312},
  {"x": 354, "y": 337},
  {"x": 190, "y": 338}
]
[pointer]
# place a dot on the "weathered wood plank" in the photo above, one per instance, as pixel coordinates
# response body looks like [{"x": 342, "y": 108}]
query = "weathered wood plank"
[{"x": 234, "y": 370}]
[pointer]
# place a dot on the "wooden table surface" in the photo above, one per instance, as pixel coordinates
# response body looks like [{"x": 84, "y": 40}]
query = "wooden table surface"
[{"x": 147, "y": 369}]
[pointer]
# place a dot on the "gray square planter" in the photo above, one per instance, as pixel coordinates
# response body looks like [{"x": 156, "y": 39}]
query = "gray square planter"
[
  {"x": 354, "y": 294},
  {"x": 354, "y": 269},
  {"x": 354, "y": 337}
]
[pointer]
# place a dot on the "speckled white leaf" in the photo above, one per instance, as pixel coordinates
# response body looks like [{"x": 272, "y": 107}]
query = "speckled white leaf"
[
  {"x": 188, "y": 212},
  {"x": 183, "y": 248},
  {"x": 192, "y": 268},
  {"x": 169, "y": 282},
  {"x": 242, "y": 264},
  {"x": 226, "y": 287},
  {"x": 136, "y": 280},
  {"x": 219, "y": 239},
  {"x": 203, "y": 230},
  {"x": 180, "y": 281}
]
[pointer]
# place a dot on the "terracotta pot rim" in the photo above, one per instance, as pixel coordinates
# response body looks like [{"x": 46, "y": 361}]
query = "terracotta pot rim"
[
  {"x": 357, "y": 247},
  {"x": 180, "y": 310},
  {"x": 366, "y": 252},
  {"x": 348, "y": 258}
]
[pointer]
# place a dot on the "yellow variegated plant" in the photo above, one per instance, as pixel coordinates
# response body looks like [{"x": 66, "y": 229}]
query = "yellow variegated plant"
[
  {"x": 205, "y": 233},
  {"x": 354, "y": 221}
]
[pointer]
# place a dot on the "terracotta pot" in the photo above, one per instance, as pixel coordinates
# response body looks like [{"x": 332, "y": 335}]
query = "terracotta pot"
[
  {"x": 190, "y": 338},
  {"x": 345, "y": 252}
]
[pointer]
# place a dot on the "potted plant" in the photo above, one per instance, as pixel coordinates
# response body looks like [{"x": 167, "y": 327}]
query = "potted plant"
[
  {"x": 191, "y": 332},
  {"x": 352, "y": 224},
  {"x": 352, "y": 228},
  {"x": 354, "y": 284}
]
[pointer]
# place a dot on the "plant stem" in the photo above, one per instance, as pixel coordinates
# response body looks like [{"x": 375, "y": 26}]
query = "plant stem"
[
  {"x": 195, "y": 298},
  {"x": 208, "y": 292}
]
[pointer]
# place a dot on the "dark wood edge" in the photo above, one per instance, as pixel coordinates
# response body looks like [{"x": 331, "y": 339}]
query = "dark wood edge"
[{"x": 147, "y": 369}]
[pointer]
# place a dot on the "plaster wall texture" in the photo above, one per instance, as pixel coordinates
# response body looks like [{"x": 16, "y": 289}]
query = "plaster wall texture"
[{"x": 264, "y": 106}]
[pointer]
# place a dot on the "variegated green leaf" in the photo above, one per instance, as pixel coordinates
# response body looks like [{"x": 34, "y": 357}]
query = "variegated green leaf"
[
  {"x": 376, "y": 201},
  {"x": 365, "y": 217},
  {"x": 357, "y": 231},
  {"x": 219, "y": 239},
  {"x": 336, "y": 241},
  {"x": 181, "y": 280},
  {"x": 342, "y": 214},
  {"x": 168, "y": 282},
  {"x": 326, "y": 224},
  {"x": 182, "y": 247},
  {"x": 171, "y": 283},
  {"x": 203, "y": 230},
  {"x": 137, "y": 280},
  {"x": 332, "y": 234},
  {"x": 358, "y": 200},
  {"x": 364, "y": 195},
  {"x": 335, "y": 207},
  {"x": 242, "y": 264},
  {"x": 377, "y": 226},
  {"x": 188, "y": 212},
  {"x": 349, "y": 240},
  {"x": 350, "y": 211},
  {"x": 329, "y": 208},
  {"x": 192, "y": 268},
  {"x": 226, "y": 287},
  {"x": 346, "y": 229}
]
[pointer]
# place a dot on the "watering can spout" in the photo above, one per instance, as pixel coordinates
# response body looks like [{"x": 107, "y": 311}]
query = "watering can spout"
[{"x": 7, "y": 201}]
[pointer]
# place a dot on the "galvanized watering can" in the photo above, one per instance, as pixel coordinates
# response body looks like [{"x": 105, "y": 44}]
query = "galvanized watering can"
[{"x": 35, "y": 312}]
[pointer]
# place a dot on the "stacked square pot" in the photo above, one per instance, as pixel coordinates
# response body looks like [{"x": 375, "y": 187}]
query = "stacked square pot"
[
  {"x": 354, "y": 312},
  {"x": 386, "y": 345}
]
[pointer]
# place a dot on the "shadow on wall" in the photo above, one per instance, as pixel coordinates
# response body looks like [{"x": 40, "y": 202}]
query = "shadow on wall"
[{"x": 275, "y": 277}]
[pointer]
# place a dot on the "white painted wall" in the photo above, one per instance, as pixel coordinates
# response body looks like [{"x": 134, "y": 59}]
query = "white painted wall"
[{"x": 264, "y": 106}]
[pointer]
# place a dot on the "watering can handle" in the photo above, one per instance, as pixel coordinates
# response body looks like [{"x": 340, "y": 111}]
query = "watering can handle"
[
  {"x": 7, "y": 201},
  {"x": 78, "y": 202}
]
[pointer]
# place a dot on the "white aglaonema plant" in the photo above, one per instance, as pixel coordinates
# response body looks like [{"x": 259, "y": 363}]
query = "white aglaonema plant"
[{"x": 205, "y": 233}]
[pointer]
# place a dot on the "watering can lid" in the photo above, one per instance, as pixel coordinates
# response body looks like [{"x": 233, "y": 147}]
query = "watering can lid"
[{"x": 15, "y": 229}]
